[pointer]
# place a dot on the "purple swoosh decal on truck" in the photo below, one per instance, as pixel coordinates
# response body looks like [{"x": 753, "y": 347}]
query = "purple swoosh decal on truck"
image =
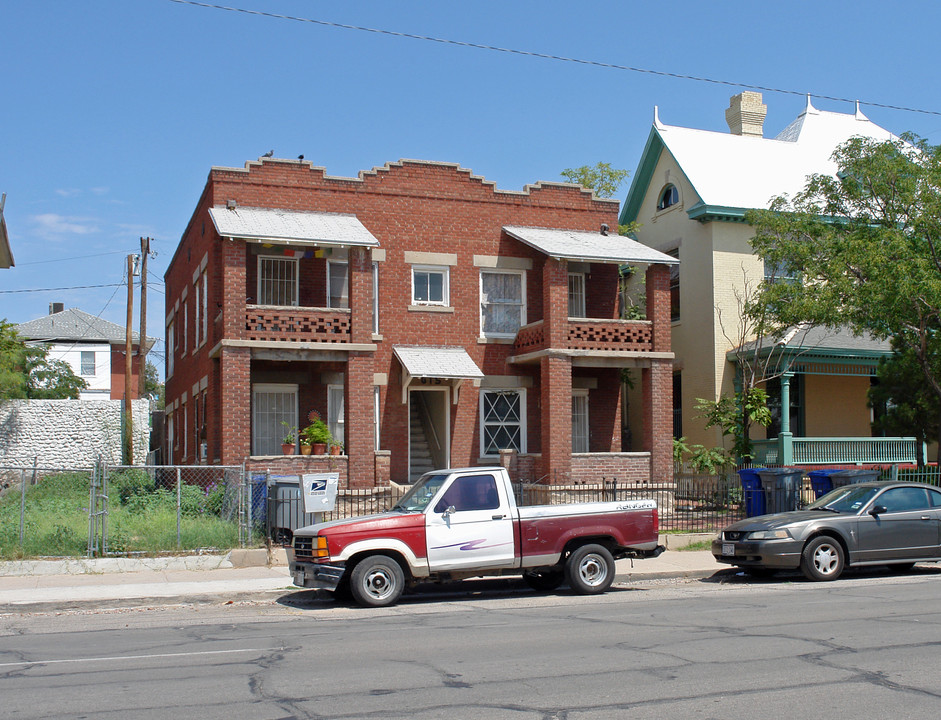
[{"x": 470, "y": 545}]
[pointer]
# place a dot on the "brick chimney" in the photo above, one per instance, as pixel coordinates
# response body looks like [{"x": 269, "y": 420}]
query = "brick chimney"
[
  {"x": 56, "y": 307},
  {"x": 746, "y": 114}
]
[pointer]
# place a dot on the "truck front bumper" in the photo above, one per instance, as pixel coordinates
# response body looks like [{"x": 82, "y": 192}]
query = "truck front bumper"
[{"x": 317, "y": 576}]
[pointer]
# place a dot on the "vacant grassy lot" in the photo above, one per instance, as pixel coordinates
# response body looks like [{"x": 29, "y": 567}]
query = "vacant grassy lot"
[{"x": 141, "y": 517}]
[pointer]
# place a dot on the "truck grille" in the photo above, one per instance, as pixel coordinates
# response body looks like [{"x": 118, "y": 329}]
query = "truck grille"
[{"x": 303, "y": 548}]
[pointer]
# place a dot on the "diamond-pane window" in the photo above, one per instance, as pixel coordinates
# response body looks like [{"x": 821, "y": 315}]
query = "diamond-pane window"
[{"x": 502, "y": 420}]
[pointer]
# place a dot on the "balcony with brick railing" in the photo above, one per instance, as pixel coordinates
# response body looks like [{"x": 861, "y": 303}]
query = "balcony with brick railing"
[
  {"x": 297, "y": 324},
  {"x": 588, "y": 334}
]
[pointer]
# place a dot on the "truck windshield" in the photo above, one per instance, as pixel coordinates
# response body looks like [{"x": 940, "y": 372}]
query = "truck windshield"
[
  {"x": 848, "y": 499},
  {"x": 417, "y": 499}
]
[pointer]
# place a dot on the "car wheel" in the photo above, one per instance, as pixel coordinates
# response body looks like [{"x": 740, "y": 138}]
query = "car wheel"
[
  {"x": 589, "y": 570},
  {"x": 377, "y": 581},
  {"x": 822, "y": 559},
  {"x": 544, "y": 581}
]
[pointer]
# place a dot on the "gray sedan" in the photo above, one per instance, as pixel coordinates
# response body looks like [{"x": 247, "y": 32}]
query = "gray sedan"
[{"x": 875, "y": 523}]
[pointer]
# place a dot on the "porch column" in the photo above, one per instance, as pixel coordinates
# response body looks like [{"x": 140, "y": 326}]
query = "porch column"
[
  {"x": 555, "y": 302},
  {"x": 657, "y": 391},
  {"x": 556, "y": 412},
  {"x": 235, "y": 405},
  {"x": 234, "y": 290},
  {"x": 360, "y": 293},
  {"x": 658, "y": 307},
  {"x": 360, "y": 430},
  {"x": 785, "y": 437}
]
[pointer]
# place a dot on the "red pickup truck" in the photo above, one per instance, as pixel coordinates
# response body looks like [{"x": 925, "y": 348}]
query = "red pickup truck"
[{"x": 460, "y": 523}]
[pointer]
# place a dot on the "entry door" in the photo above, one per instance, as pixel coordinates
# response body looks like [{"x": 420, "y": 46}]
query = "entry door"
[
  {"x": 429, "y": 432},
  {"x": 477, "y": 533}
]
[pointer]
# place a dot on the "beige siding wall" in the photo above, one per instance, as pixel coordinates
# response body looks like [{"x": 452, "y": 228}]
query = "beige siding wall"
[{"x": 836, "y": 406}]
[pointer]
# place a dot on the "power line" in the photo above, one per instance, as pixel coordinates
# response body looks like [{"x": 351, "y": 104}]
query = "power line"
[
  {"x": 547, "y": 56},
  {"x": 77, "y": 257},
  {"x": 74, "y": 287}
]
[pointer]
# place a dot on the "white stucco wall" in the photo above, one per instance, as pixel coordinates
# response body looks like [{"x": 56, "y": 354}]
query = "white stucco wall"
[
  {"x": 99, "y": 384},
  {"x": 69, "y": 433}
]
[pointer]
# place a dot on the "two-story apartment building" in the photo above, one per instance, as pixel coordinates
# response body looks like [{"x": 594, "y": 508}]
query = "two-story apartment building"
[{"x": 430, "y": 318}]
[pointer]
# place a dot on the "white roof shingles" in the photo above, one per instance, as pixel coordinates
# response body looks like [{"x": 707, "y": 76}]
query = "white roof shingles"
[
  {"x": 437, "y": 362},
  {"x": 287, "y": 226},
  {"x": 739, "y": 171},
  {"x": 592, "y": 246}
]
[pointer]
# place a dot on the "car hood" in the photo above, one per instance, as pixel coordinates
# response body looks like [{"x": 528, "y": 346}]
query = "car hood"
[{"x": 777, "y": 520}]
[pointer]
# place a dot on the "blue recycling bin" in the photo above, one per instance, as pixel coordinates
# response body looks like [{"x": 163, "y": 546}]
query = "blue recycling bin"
[
  {"x": 821, "y": 482},
  {"x": 855, "y": 475},
  {"x": 753, "y": 492},
  {"x": 782, "y": 488}
]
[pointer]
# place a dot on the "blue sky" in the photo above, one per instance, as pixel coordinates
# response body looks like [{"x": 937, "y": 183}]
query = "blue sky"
[{"x": 115, "y": 110}]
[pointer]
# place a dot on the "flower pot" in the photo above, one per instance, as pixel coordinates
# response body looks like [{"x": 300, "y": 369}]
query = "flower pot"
[
  {"x": 319, "y": 448},
  {"x": 336, "y": 450},
  {"x": 305, "y": 449},
  {"x": 287, "y": 449}
]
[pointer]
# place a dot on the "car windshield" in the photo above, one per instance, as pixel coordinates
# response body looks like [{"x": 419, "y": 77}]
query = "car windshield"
[
  {"x": 418, "y": 497},
  {"x": 848, "y": 499}
]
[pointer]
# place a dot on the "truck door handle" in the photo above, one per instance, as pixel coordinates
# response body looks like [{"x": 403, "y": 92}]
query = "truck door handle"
[{"x": 497, "y": 517}]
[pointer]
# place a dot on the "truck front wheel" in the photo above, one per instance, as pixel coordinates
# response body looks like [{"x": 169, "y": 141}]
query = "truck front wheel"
[
  {"x": 589, "y": 570},
  {"x": 377, "y": 581}
]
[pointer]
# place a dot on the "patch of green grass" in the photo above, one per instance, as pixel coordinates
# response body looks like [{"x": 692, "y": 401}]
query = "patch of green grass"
[
  {"x": 699, "y": 545},
  {"x": 141, "y": 518}
]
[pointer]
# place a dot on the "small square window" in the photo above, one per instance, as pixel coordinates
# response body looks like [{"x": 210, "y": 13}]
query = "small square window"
[{"x": 429, "y": 285}]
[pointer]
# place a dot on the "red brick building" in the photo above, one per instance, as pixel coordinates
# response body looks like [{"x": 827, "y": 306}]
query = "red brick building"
[{"x": 428, "y": 317}]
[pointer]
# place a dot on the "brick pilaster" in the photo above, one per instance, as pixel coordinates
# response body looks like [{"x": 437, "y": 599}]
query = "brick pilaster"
[
  {"x": 657, "y": 391},
  {"x": 658, "y": 305},
  {"x": 360, "y": 426},
  {"x": 556, "y": 385},
  {"x": 235, "y": 419}
]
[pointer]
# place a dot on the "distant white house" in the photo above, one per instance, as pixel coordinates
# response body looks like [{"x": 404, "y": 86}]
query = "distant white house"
[{"x": 94, "y": 348}]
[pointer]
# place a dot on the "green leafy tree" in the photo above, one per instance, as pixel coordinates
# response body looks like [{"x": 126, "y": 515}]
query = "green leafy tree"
[
  {"x": 735, "y": 414},
  {"x": 865, "y": 244},
  {"x": 904, "y": 404},
  {"x": 12, "y": 363},
  {"x": 604, "y": 179},
  {"x": 153, "y": 388}
]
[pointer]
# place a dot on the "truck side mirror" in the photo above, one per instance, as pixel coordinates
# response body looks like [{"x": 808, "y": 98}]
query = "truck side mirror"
[{"x": 449, "y": 511}]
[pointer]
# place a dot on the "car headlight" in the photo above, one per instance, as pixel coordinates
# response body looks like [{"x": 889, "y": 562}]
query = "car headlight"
[{"x": 769, "y": 535}]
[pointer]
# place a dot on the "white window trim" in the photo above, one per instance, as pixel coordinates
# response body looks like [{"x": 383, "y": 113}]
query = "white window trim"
[
  {"x": 273, "y": 388},
  {"x": 582, "y": 393},
  {"x": 442, "y": 270},
  {"x": 330, "y": 264},
  {"x": 341, "y": 420},
  {"x": 171, "y": 349},
  {"x": 523, "y": 424},
  {"x": 297, "y": 278},
  {"x": 480, "y": 300},
  {"x": 579, "y": 276},
  {"x": 375, "y": 298}
]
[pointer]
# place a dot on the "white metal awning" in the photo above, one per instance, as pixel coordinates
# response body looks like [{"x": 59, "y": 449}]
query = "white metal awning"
[
  {"x": 578, "y": 245},
  {"x": 286, "y": 227},
  {"x": 440, "y": 365}
]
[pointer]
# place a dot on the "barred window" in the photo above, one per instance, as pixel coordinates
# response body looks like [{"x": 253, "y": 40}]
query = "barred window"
[
  {"x": 277, "y": 281},
  {"x": 502, "y": 415}
]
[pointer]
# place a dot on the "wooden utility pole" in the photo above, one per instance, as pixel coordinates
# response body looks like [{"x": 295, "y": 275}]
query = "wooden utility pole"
[
  {"x": 142, "y": 347},
  {"x": 128, "y": 374}
]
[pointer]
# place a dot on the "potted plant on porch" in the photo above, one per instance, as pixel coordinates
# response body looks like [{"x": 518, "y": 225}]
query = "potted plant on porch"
[
  {"x": 318, "y": 435},
  {"x": 287, "y": 444}
]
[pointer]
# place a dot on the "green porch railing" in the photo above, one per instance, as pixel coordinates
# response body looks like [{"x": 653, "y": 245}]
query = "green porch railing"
[{"x": 789, "y": 450}]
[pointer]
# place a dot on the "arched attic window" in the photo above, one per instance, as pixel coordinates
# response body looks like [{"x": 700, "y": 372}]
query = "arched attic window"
[{"x": 669, "y": 196}]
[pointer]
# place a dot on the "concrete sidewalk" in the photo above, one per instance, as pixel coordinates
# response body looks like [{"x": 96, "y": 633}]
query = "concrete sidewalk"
[{"x": 56, "y": 585}]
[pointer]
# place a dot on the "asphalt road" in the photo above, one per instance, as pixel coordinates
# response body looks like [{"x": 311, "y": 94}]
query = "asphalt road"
[{"x": 866, "y": 646}]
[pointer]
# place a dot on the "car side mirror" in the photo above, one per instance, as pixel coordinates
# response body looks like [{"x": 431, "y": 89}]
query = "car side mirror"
[
  {"x": 449, "y": 511},
  {"x": 878, "y": 510}
]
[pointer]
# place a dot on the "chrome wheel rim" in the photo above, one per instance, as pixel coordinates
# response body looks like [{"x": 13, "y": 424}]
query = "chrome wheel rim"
[
  {"x": 593, "y": 570},
  {"x": 826, "y": 559},
  {"x": 379, "y": 584}
]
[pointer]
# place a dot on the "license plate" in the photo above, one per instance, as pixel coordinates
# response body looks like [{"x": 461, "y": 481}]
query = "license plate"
[{"x": 728, "y": 548}]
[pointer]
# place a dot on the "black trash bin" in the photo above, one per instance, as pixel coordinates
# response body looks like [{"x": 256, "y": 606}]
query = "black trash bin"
[
  {"x": 821, "y": 482},
  {"x": 286, "y": 508},
  {"x": 856, "y": 475},
  {"x": 753, "y": 492},
  {"x": 782, "y": 488}
]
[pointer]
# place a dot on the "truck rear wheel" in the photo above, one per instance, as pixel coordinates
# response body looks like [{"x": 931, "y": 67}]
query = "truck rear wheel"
[
  {"x": 377, "y": 581},
  {"x": 589, "y": 570}
]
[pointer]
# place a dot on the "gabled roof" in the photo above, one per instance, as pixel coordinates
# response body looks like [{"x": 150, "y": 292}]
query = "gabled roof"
[
  {"x": 291, "y": 227},
  {"x": 734, "y": 173},
  {"x": 74, "y": 325},
  {"x": 588, "y": 246}
]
